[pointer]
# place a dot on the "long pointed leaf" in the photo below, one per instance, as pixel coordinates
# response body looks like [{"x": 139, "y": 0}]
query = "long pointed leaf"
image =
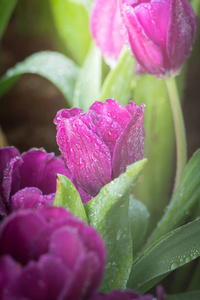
[
  {"x": 167, "y": 254},
  {"x": 183, "y": 201},
  {"x": 68, "y": 197},
  {"x": 108, "y": 213},
  {"x": 55, "y": 67}
]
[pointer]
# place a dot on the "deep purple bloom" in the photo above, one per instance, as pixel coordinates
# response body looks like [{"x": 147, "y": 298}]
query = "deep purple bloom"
[
  {"x": 97, "y": 146},
  {"x": 48, "y": 254},
  {"x": 28, "y": 180},
  {"x": 160, "y": 32}
]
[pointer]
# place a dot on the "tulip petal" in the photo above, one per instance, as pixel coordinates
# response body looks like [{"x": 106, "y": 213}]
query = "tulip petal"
[
  {"x": 86, "y": 156},
  {"x": 111, "y": 108},
  {"x": 9, "y": 270},
  {"x": 130, "y": 145},
  {"x": 107, "y": 29},
  {"x": 145, "y": 51},
  {"x": 22, "y": 228},
  {"x": 11, "y": 180},
  {"x": 30, "y": 198},
  {"x": 39, "y": 170},
  {"x": 59, "y": 246},
  {"x": 67, "y": 113},
  {"x": 181, "y": 32},
  {"x": 106, "y": 128},
  {"x": 6, "y": 154}
]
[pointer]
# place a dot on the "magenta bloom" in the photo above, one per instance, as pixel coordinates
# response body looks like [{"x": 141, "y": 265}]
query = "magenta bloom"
[
  {"x": 160, "y": 32},
  {"x": 28, "y": 180},
  {"x": 48, "y": 254},
  {"x": 97, "y": 146}
]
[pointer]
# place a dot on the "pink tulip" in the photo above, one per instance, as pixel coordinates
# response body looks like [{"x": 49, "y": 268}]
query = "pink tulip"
[{"x": 160, "y": 32}]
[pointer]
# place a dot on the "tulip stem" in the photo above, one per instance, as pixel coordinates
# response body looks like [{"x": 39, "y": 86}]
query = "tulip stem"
[{"x": 179, "y": 126}]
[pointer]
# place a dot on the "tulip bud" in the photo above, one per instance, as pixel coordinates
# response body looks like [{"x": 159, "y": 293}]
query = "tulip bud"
[
  {"x": 160, "y": 33},
  {"x": 97, "y": 146}
]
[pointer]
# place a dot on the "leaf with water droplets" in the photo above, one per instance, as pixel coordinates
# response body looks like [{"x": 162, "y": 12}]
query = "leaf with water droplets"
[
  {"x": 55, "y": 67},
  {"x": 167, "y": 254},
  {"x": 68, "y": 197},
  {"x": 184, "y": 200},
  {"x": 108, "y": 213}
]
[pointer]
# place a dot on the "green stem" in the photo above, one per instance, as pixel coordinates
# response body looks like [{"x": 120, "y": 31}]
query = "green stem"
[{"x": 181, "y": 146}]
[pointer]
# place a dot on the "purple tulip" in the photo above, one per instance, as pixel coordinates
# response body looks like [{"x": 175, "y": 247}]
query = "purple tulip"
[
  {"x": 97, "y": 146},
  {"x": 160, "y": 32},
  {"x": 48, "y": 254},
  {"x": 28, "y": 180}
]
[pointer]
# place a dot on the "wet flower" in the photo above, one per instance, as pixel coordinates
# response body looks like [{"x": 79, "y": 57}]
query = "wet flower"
[
  {"x": 28, "y": 180},
  {"x": 160, "y": 32},
  {"x": 97, "y": 146},
  {"x": 49, "y": 254}
]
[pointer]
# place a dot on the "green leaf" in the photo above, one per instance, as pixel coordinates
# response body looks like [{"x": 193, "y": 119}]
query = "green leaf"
[
  {"x": 6, "y": 9},
  {"x": 108, "y": 213},
  {"x": 154, "y": 186},
  {"x": 71, "y": 20},
  {"x": 196, "y": 6},
  {"x": 55, "y": 67},
  {"x": 183, "y": 201},
  {"x": 167, "y": 254},
  {"x": 138, "y": 219},
  {"x": 86, "y": 3},
  {"x": 184, "y": 296},
  {"x": 88, "y": 84},
  {"x": 68, "y": 197},
  {"x": 119, "y": 81}
]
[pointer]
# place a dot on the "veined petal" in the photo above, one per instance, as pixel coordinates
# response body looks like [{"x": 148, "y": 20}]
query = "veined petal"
[
  {"x": 86, "y": 156},
  {"x": 107, "y": 28},
  {"x": 106, "y": 128},
  {"x": 181, "y": 32},
  {"x": 130, "y": 145},
  {"x": 112, "y": 109},
  {"x": 145, "y": 51}
]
